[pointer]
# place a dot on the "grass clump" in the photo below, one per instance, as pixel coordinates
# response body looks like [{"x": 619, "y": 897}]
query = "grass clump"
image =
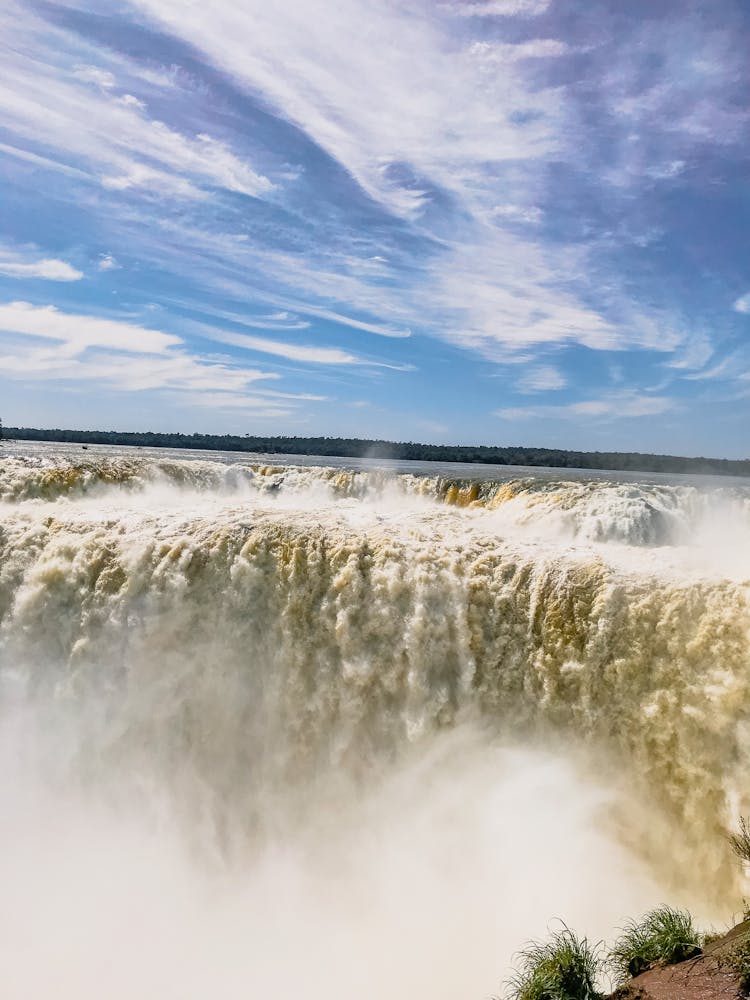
[
  {"x": 663, "y": 936},
  {"x": 711, "y": 937},
  {"x": 740, "y": 841},
  {"x": 738, "y": 960},
  {"x": 564, "y": 968}
]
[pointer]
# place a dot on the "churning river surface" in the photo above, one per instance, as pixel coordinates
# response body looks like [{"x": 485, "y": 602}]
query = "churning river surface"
[{"x": 281, "y": 727}]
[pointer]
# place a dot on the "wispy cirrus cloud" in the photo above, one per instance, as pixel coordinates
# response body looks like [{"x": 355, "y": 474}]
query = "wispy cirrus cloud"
[
  {"x": 129, "y": 371},
  {"x": 404, "y": 91},
  {"x": 445, "y": 112},
  {"x": 47, "y": 162},
  {"x": 613, "y": 406},
  {"x": 292, "y": 352},
  {"x": 696, "y": 352},
  {"x": 471, "y": 183},
  {"x": 545, "y": 378},
  {"x": 93, "y": 74},
  {"x": 124, "y": 356},
  {"x": 278, "y": 321},
  {"x": 79, "y": 113},
  {"x": 490, "y": 293},
  {"x": 732, "y": 366},
  {"x": 253, "y": 407},
  {"x": 499, "y": 8}
]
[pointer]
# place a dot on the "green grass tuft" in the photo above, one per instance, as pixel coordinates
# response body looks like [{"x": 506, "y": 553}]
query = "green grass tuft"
[
  {"x": 564, "y": 968},
  {"x": 664, "y": 935}
]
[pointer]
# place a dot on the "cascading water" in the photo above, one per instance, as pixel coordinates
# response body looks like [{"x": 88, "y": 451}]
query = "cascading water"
[{"x": 269, "y": 728}]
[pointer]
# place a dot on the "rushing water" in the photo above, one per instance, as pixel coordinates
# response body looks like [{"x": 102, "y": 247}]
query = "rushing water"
[{"x": 279, "y": 726}]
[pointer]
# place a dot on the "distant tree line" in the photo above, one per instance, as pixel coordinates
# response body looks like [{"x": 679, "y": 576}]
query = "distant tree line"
[{"x": 555, "y": 458}]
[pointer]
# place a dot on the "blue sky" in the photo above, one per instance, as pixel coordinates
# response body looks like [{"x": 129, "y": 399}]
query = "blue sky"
[{"x": 469, "y": 221}]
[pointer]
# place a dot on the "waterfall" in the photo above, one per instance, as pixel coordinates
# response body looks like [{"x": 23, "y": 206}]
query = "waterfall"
[{"x": 267, "y": 664}]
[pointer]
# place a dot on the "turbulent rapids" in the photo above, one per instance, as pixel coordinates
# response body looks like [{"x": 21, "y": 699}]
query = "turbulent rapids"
[{"x": 332, "y": 729}]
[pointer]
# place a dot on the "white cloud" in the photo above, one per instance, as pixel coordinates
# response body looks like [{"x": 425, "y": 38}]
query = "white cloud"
[
  {"x": 48, "y": 269},
  {"x": 306, "y": 396},
  {"x": 407, "y": 101},
  {"x": 380, "y": 329},
  {"x": 126, "y": 357},
  {"x": 663, "y": 119},
  {"x": 255, "y": 406},
  {"x": 203, "y": 158},
  {"x": 665, "y": 171},
  {"x": 726, "y": 368},
  {"x": 631, "y": 405},
  {"x": 612, "y": 407},
  {"x": 496, "y": 293},
  {"x": 500, "y": 54},
  {"x": 292, "y": 352},
  {"x": 542, "y": 379},
  {"x": 742, "y": 305},
  {"x": 276, "y": 321},
  {"x": 493, "y": 294},
  {"x": 178, "y": 371},
  {"x": 379, "y": 85},
  {"x": 590, "y": 408},
  {"x": 130, "y": 101},
  {"x": 407, "y": 89},
  {"x": 500, "y": 8},
  {"x": 93, "y": 74},
  {"x": 137, "y": 175},
  {"x": 695, "y": 353},
  {"x": 112, "y": 135},
  {"x": 514, "y": 413},
  {"x": 304, "y": 353},
  {"x": 79, "y": 332},
  {"x": 107, "y": 262},
  {"x": 175, "y": 370},
  {"x": 517, "y": 213},
  {"x": 44, "y": 161}
]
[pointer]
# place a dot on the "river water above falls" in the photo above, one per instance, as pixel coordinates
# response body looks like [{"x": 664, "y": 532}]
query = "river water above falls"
[{"x": 274, "y": 727}]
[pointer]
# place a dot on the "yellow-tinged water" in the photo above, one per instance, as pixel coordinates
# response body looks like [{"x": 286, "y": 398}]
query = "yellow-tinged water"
[{"x": 386, "y": 719}]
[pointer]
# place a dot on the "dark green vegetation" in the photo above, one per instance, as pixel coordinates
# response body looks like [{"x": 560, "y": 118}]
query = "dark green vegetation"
[
  {"x": 564, "y": 968},
  {"x": 567, "y": 967},
  {"x": 664, "y": 935},
  {"x": 410, "y": 451}
]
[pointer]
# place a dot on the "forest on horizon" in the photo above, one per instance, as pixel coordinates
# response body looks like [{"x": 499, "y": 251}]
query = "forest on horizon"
[{"x": 556, "y": 458}]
